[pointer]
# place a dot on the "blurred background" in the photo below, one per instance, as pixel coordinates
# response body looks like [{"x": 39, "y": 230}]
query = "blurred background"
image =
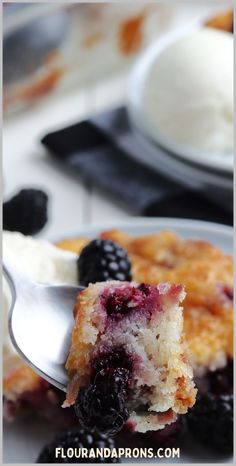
[
  {"x": 65, "y": 63},
  {"x": 84, "y": 98}
]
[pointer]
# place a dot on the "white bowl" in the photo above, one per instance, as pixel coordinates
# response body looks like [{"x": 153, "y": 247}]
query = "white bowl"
[{"x": 222, "y": 164}]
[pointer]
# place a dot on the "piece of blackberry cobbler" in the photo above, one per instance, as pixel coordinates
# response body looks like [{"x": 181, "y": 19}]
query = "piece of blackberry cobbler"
[{"x": 127, "y": 359}]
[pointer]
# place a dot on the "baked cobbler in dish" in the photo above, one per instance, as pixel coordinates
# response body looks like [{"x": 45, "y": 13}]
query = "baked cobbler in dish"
[
  {"x": 128, "y": 359},
  {"x": 204, "y": 270},
  {"x": 207, "y": 274}
]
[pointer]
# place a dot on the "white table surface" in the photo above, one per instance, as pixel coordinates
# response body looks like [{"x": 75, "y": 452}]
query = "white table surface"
[{"x": 25, "y": 162}]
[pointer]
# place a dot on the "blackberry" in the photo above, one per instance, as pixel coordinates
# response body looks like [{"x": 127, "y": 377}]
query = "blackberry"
[
  {"x": 77, "y": 438},
  {"x": 115, "y": 358},
  {"x": 103, "y": 260},
  {"x": 211, "y": 421},
  {"x": 26, "y": 212},
  {"x": 117, "y": 305},
  {"x": 103, "y": 404},
  {"x": 221, "y": 380}
]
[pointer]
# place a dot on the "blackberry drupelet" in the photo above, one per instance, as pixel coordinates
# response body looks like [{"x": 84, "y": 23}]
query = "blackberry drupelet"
[
  {"x": 118, "y": 303},
  {"x": 77, "y": 438},
  {"x": 26, "y": 212},
  {"x": 211, "y": 421},
  {"x": 103, "y": 260},
  {"x": 116, "y": 358},
  {"x": 102, "y": 406}
]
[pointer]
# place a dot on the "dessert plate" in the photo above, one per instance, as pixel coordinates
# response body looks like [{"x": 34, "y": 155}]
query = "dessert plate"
[
  {"x": 23, "y": 439},
  {"x": 221, "y": 164},
  {"x": 220, "y": 235}
]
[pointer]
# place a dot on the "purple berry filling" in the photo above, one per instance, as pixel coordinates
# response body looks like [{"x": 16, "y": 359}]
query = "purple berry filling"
[
  {"x": 225, "y": 294},
  {"x": 122, "y": 301},
  {"x": 111, "y": 359},
  {"x": 228, "y": 292}
]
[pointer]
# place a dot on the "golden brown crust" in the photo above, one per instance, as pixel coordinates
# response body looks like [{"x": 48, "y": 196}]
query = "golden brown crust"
[
  {"x": 73, "y": 245},
  {"x": 84, "y": 335},
  {"x": 80, "y": 357},
  {"x": 18, "y": 377},
  {"x": 224, "y": 21},
  {"x": 185, "y": 395}
]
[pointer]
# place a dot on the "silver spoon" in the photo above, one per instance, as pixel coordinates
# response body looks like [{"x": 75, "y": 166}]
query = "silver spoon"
[{"x": 40, "y": 322}]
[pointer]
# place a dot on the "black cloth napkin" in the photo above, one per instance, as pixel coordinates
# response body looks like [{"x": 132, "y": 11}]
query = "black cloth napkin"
[{"x": 100, "y": 151}]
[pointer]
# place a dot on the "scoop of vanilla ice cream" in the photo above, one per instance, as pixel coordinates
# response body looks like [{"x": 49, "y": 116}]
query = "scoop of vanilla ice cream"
[
  {"x": 188, "y": 92},
  {"x": 43, "y": 262}
]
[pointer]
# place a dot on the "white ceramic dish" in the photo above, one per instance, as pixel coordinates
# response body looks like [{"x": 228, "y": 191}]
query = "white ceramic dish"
[
  {"x": 192, "y": 175},
  {"x": 23, "y": 440},
  {"x": 222, "y": 164}
]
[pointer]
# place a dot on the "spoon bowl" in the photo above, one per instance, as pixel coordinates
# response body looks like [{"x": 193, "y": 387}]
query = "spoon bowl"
[{"x": 40, "y": 323}]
